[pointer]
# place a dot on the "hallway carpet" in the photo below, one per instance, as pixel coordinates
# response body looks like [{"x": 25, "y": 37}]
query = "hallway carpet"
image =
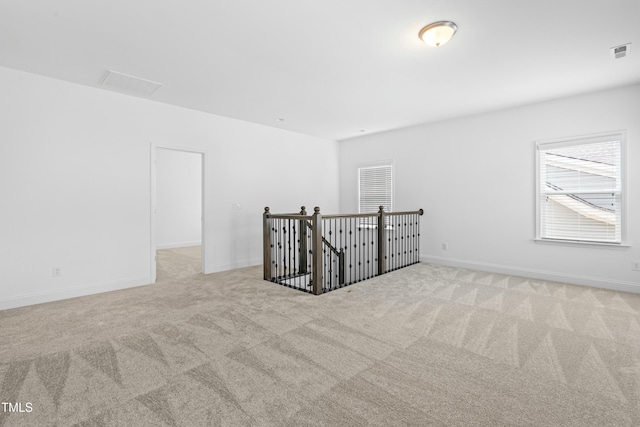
[{"x": 425, "y": 345}]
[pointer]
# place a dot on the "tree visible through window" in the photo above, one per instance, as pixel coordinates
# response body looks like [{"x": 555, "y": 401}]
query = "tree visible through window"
[{"x": 580, "y": 189}]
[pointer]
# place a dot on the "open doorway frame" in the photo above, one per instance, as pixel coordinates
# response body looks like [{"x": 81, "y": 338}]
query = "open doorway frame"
[{"x": 154, "y": 202}]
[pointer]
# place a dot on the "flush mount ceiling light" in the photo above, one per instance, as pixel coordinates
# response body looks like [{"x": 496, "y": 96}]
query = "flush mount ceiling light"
[{"x": 438, "y": 33}]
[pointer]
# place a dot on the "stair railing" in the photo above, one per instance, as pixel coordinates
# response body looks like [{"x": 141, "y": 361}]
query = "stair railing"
[
  {"x": 338, "y": 253},
  {"x": 317, "y": 253}
]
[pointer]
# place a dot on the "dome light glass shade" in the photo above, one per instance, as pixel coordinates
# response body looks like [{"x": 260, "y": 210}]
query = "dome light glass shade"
[{"x": 438, "y": 33}]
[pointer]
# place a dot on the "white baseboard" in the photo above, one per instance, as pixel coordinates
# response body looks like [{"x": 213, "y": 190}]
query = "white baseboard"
[
  {"x": 178, "y": 245},
  {"x": 73, "y": 292},
  {"x": 597, "y": 282},
  {"x": 241, "y": 264}
]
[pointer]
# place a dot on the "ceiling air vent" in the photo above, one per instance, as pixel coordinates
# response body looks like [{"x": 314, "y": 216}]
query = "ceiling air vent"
[
  {"x": 621, "y": 51},
  {"x": 131, "y": 84}
]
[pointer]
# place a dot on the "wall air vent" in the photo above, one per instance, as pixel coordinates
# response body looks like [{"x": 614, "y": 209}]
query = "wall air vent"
[
  {"x": 621, "y": 51},
  {"x": 130, "y": 84}
]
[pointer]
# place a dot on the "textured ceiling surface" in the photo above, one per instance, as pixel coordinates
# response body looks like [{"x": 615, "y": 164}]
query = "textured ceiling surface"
[{"x": 333, "y": 68}]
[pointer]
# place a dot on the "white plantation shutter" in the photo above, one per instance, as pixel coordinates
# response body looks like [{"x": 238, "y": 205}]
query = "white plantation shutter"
[
  {"x": 375, "y": 188},
  {"x": 580, "y": 190}
]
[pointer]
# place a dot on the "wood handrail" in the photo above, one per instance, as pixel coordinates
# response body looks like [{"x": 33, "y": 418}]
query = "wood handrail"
[
  {"x": 334, "y": 216},
  {"x": 290, "y": 216}
]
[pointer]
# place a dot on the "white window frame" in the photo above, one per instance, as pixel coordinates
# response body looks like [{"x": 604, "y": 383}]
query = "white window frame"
[
  {"x": 582, "y": 140},
  {"x": 372, "y": 165}
]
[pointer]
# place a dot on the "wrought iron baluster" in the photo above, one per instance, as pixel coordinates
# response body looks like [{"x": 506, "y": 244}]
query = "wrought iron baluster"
[
  {"x": 413, "y": 234},
  {"x": 296, "y": 246},
  {"x": 356, "y": 252},
  {"x": 405, "y": 239},
  {"x": 329, "y": 269},
  {"x": 369, "y": 248},
  {"x": 278, "y": 250},
  {"x": 340, "y": 247},
  {"x": 331, "y": 259},
  {"x": 284, "y": 247},
  {"x": 274, "y": 227},
  {"x": 283, "y": 252},
  {"x": 350, "y": 251},
  {"x": 374, "y": 248},
  {"x": 291, "y": 268},
  {"x": 398, "y": 239},
  {"x": 310, "y": 258}
]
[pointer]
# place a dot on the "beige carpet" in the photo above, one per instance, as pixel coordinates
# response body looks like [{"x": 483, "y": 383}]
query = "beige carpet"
[
  {"x": 178, "y": 263},
  {"x": 426, "y": 345}
]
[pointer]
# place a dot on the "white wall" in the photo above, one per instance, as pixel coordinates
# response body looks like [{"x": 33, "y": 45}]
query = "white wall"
[
  {"x": 178, "y": 198},
  {"x": 75, "y": 185},
  {"x": 474, "y": 177}
]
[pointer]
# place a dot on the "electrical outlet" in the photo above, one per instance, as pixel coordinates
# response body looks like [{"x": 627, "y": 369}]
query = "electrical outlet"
[
  {"x": 57, "y": 272},
  {"x": 635, "y": 265},
  {"x": 445, "y": 246}
]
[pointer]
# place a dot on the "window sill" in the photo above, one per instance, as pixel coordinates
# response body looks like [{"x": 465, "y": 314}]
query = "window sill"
[{"x": 579, "y": 244}]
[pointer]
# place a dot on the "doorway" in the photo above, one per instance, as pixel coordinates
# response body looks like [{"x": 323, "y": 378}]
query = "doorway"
[{"x": 177, "y": 227}]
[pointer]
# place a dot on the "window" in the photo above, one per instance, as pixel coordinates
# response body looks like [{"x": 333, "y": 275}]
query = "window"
[
  {"x": 375, "y": 189},
  {"x": 580, "y": 189}
]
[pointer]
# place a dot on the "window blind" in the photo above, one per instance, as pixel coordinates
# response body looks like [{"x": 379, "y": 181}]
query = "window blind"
[
  {"x": 580, "y": 190},
  {"x": 375, "y": 188}
]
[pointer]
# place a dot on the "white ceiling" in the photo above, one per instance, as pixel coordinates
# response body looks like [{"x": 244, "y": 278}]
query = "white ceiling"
[{"x": 330, "y": 68}]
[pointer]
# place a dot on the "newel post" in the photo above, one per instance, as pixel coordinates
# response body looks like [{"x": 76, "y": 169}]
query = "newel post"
[
  {"x": 316, "y": 242},
  {"x": 304, "y": 250},
  {"x": 266, "y": 244},
  {"x": 382, "y": 244}
]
